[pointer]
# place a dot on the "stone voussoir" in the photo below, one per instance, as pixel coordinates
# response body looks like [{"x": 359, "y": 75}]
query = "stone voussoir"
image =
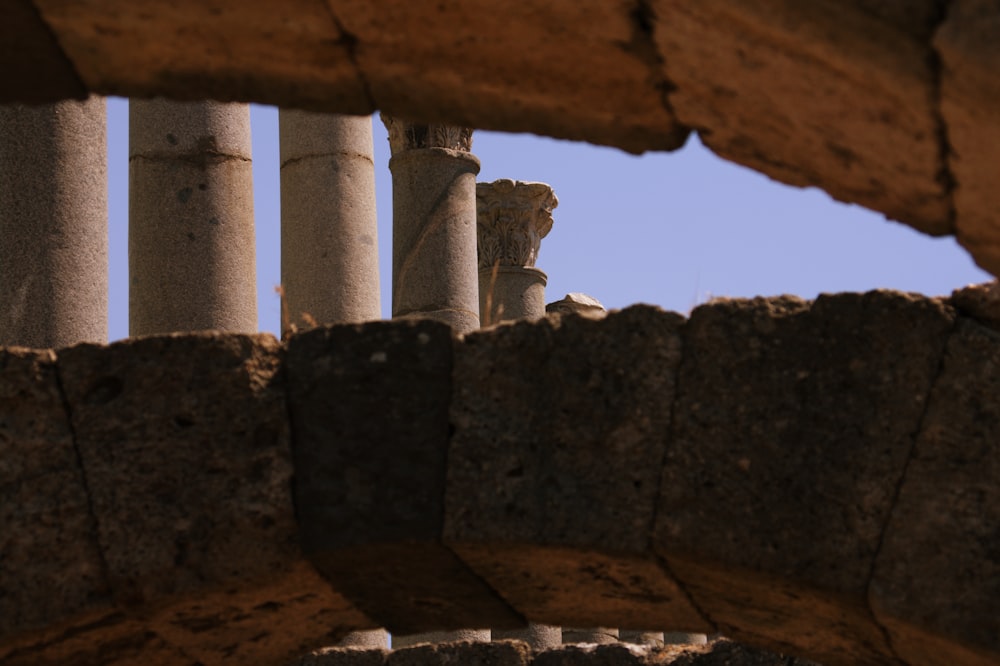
[
  {"x": 936, "y": 585},
  {"x": 185, "y": 447},
  {"x": 793, "y": 425},
  {"x": 369, "y": 410},
  {"x": 560, "y": 431}
]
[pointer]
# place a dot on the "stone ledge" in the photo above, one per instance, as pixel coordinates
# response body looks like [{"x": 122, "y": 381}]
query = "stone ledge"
[{"x": 779, "y": 469}]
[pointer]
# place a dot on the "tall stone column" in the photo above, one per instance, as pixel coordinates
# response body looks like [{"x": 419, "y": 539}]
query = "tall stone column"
[
  {"x": 53, "y": 224},
  {"x": 434, "y": 223},
  {"x": 513, "y": 218},
  {"x": 329, "y": 230},
  {"x": 191, "y": 234}
]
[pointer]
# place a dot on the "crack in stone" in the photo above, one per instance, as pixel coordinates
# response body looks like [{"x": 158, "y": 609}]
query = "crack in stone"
[
  {"x": 945, "y": 176},
  {"x": 672, "y": 429},
  {"x": 350, "y": 42},
  {"x": 942, "y": 359},
  {"x": 642, "y": 44},
  {"x": 198, "y": 159},
  {"x": 67, "y": 408},
  {"x": 318, "y": 156}
]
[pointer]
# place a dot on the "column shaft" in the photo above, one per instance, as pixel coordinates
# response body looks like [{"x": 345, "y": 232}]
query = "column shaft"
[
  {"x": 53, "y": 224},
  {"x": 329, "y": 230},
  {"x": 191, "y": 234}
]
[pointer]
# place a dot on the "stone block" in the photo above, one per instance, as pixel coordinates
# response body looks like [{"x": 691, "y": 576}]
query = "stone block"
[
  {"x": 936, "y": 585},
  {"x": 969, "y": 57},
  {"x": 185, "y": 447},
  {"x": 835, "y": 94},
  {"x": 343, "y": 657},
  {"x": 506, "y": 653},
  {"x": 52, "y": 571},
  {"x": 793, "y": 425},
  {"x": 35, "y": 67},
  {"x": 560, "y": 430},
  {"x": 369, "y": 410},
  {"x": 413, "y": 57},
  {"x": 289, "y": 53}
]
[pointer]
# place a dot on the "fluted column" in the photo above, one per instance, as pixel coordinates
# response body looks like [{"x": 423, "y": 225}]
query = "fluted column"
[
  {"x": 191, "y": 225},
  {"x": 329, "y": 230},
  {"x": 53, "y": 224},
  {"x": 434, "y": 223},
  {"x": 513, "y": 218}
]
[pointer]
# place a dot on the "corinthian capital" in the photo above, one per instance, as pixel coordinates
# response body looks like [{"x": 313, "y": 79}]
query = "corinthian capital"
[
  {"x": 405, "y": 135},
  {"x": 513, "y": 218}
]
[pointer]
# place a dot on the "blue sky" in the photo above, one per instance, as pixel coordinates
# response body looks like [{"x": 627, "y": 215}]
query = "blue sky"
[{"x": 671, "y": 229}]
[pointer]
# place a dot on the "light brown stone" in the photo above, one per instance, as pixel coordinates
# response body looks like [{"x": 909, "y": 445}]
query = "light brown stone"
[
  {"x": 936, "y": 585},
  {"x": 814, "y": 92},
  {"x": 969, "y": 58},
  {"x": 793, "y": 425},
  {"x": 554, "y": 467},
  {"x": 290, "y": 53}
]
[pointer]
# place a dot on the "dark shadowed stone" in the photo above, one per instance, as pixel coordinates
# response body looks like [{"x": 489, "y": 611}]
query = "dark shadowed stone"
[
  {"x": 50, "y": 564},
  {"x": 369, "y": 409},
  {"x": 560, "y": 431},
  {"x": 34, "y": 67},
  {"x": 792, "y": 428},
  {"x": 937, "y": 581},
  {"x": 184, "y": 442},
  {"x": 506, "y": 653},
  {"x": 717, "y": 653}
]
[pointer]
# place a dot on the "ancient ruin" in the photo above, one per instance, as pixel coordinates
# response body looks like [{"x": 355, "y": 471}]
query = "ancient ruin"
[{"x": 813, "y": 480}]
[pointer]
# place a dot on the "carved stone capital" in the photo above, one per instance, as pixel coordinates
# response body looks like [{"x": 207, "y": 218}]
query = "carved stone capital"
[
  {"x": 513, "y": 217},
  {"x": 405, "y": 135},
  {"x": 580, "y": 304}
]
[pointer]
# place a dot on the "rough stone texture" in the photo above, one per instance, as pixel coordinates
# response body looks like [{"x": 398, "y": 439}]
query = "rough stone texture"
[
  {"x": 793, "y": 425},
  {"x": 34, "y": 66},
  {"x": 192, "y": 494},
  {"x": 980, "y": 302},
  {"x": 290, "y": 53},
  {"x": 191, "y": 223},
  {"x": 936, "y": 585},
  {"x": 554, "y": 508},
  {"x": 53, "y": 224},
  {"x": 596, "y": 635},
  {"x": 970, "y": 57},
  {"x": 783, "y": 97},
  {"x": 537, "y": 636},
  {"x": 717, "y": 653},
  {"x": 343, "y": 657},
  {"x": 52, "y": 568},
  {"x": 464, "y": 63},
  {"x": 369, "y": 409},
  {"x": 438, "y": 637},
  {"x": 507, "y": 653},
  {"x": 329, "y": 231}
]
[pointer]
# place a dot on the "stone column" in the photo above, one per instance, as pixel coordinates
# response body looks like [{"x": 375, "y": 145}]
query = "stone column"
[
  {"x": 434, "y": 223},
  {"x": 538, "y": 636},
  {"x": 53, "y": 224},
  {"x": 329, "y": 231},
  {"x": 191, "y": 235},
  {"x": 513, "y": 218},
  {"x": 599, "y": 635},
  {"x": 651, "y": 638},
  {"x": 369, "y": 640}
]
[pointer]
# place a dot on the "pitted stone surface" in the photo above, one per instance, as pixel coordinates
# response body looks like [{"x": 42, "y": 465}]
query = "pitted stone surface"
[
  {"x": 793, "y": 425},
  {"x": 560, "y": 431},
  {"x": 51, "y": 565},
  {"x": 369, "y": 411},
  {"x": 192, "y": 497},
  {"x": 943, "y": 542},
  {"x": 507, "y": 653}
]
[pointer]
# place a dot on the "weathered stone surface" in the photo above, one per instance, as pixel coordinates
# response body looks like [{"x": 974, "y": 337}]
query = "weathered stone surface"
[
  {"x": 560, "y": 430},
  {"x": 980, "y": 302},
  {"x": 290, "y": 53},
  {"x": 343, "y": 657},
  {"x": 464, "y": 66},
  {"x": 192, "y": 494},
  {"x": 51, "y": 565},
  {"x": 34, "y": 67},
  {"x": 369, "y": 409},
  {"x": 793, "y": 425},
  {"x": 970, "y": 57},
  {"x": 717, "y": 653},
  {"x": 506, "y": 653},
  {"x": 784, "y": 89},
  {"x": 936, "y": 585}
]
